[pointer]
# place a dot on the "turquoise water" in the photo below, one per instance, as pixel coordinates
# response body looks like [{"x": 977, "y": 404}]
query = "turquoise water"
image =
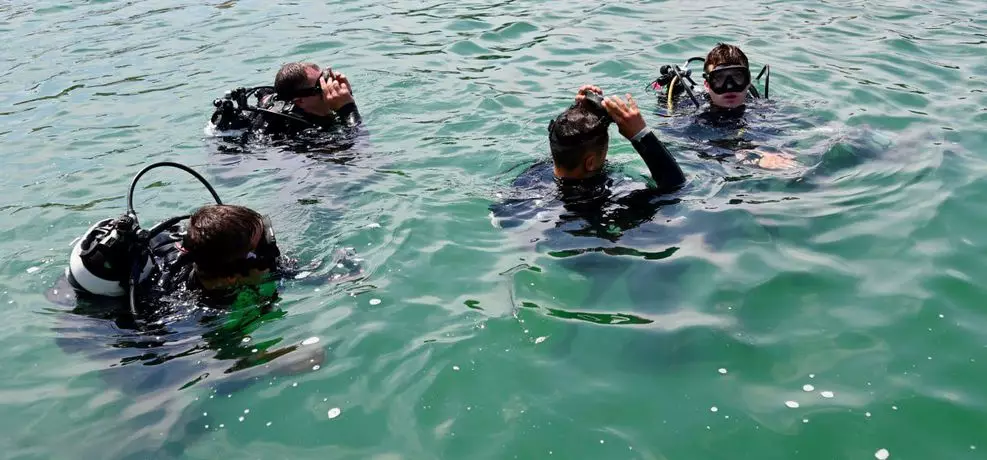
[{"x": 857, "y": 274}]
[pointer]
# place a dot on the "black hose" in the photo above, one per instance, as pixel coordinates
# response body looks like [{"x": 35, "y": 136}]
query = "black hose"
[
  {"x": 279, "y": 114},
  {"x": 133, "y": 184},
  {"x": 688, "y": 90},
  {"x": 767, "y": 79},
  {"x": 155, "y": 230}
]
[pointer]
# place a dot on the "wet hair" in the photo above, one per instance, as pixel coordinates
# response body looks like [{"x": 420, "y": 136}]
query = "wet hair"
[
  {"x": 220, "y": 234},
  {"x": 292, "y": 77},
  {"x": 574, "y": 134},
  {"x": 724, "y": 54}
]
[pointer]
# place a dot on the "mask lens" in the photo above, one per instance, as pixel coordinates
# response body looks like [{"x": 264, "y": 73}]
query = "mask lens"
[{"x": 729, "y": 79}]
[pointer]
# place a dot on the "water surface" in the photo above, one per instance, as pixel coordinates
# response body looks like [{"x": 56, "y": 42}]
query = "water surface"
[{"x": 680, "y": 338}]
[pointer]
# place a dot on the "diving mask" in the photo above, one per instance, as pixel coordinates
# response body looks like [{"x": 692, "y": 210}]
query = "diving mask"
[{"x": 728, "y": 79}]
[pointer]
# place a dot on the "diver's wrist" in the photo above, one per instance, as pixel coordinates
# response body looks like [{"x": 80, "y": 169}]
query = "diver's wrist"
[{"x": 640, "y": 134}]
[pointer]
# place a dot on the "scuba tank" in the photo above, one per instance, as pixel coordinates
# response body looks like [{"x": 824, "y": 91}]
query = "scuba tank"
[
  {"x": 101, "y": 261},
  {"x": 113, "y": 257}
]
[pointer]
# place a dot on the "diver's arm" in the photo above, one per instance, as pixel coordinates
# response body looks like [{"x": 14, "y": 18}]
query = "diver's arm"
[
  {"x": 664, "y": 169},
  {"x": 339, "y": 94},
  {"x": 349, "y": 115}
]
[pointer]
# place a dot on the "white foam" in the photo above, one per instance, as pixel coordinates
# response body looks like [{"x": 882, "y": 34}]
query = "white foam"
[
  {"x": 374, "y": 301},
  {"x": 310, "y": 341},
  {"x": 540, "y": 339},
  {"x": 334, "y": 412}
]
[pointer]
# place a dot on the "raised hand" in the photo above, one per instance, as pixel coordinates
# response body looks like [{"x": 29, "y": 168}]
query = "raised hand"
[{"x": 626, "y": 115}]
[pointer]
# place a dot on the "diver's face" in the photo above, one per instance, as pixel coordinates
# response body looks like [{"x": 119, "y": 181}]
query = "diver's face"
[
  {"x": 727, "y": 100},
  {"x": 315, "y": 104},
  {"x": 727, "y": 85},
  {"x": 254, "y": 274}
]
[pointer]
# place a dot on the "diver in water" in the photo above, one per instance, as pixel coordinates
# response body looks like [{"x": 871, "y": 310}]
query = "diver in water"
[
  {"x": 728, "y": 90},
  {"x": 222, "y": 250},
  {"x": 578, "y": 175},
  {"x": 303, "y": 98}
]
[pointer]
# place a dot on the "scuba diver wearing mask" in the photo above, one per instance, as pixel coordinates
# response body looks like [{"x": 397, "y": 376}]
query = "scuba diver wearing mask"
[
  {"x": 221, "y": 249},
  {"x": 726, "y": 79},
  {"x": 303, "y": 98},
  {"x": 578, "y": 175},
  {"x": 728, "y": 88}
]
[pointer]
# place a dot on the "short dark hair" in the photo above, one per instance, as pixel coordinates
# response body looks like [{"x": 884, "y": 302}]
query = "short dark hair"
[
  {"x": 724, "y": 54},
  {"x": 292, "y": 77},
  {"x": 220, "y": 234},
  {"x": 574, "y": 134}
]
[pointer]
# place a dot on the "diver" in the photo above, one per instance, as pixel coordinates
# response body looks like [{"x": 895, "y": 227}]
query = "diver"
[
  {"x": 304, "y": 98},
  {"x": 221, "y": 251},
  {"x": 729, "y": 89},
  {"x": 579, "y": 177}
]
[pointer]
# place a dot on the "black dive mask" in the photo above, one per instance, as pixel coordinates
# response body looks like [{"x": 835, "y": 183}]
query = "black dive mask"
[
  {"x": 266, "y": 255},
  {"x": 728, "y": 79}
]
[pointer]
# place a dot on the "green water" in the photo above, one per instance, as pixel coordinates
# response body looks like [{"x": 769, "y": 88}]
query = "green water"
[{"x": 858, "y": 274}]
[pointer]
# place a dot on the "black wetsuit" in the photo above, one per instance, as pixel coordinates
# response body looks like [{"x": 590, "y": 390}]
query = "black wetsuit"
[
  {"x": 593, "y": 206},
  {"x": 281, "y": 119},
  {"x": 298, "y": 120},
  {"x": 735, "y": 133}
]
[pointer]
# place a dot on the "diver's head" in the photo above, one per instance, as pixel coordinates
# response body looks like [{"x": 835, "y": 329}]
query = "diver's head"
[
  {"x": 579, "y": 140},
  {"x": 230, "y": 246},
  {"x": 300, "y": 83},
  {"x": 728, "y": 76}
]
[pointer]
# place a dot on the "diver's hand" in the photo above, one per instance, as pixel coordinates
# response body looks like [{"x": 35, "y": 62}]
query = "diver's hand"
[
  {"x": 581, "y": 94},
  {"x": 776, "y": 161},
  {"x": 768, "y": 160},
  {"x": 336, "y": 92},
  {"x": 626, "y": 115}
]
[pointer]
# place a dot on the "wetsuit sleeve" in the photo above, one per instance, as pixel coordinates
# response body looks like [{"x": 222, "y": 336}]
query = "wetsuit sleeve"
[
  {"x": 349, "y": 115},
  {"x": 664, "y": 169}
]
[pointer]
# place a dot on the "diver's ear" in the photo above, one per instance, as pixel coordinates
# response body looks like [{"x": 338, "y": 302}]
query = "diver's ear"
[{"x": 592, "y": 162}]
